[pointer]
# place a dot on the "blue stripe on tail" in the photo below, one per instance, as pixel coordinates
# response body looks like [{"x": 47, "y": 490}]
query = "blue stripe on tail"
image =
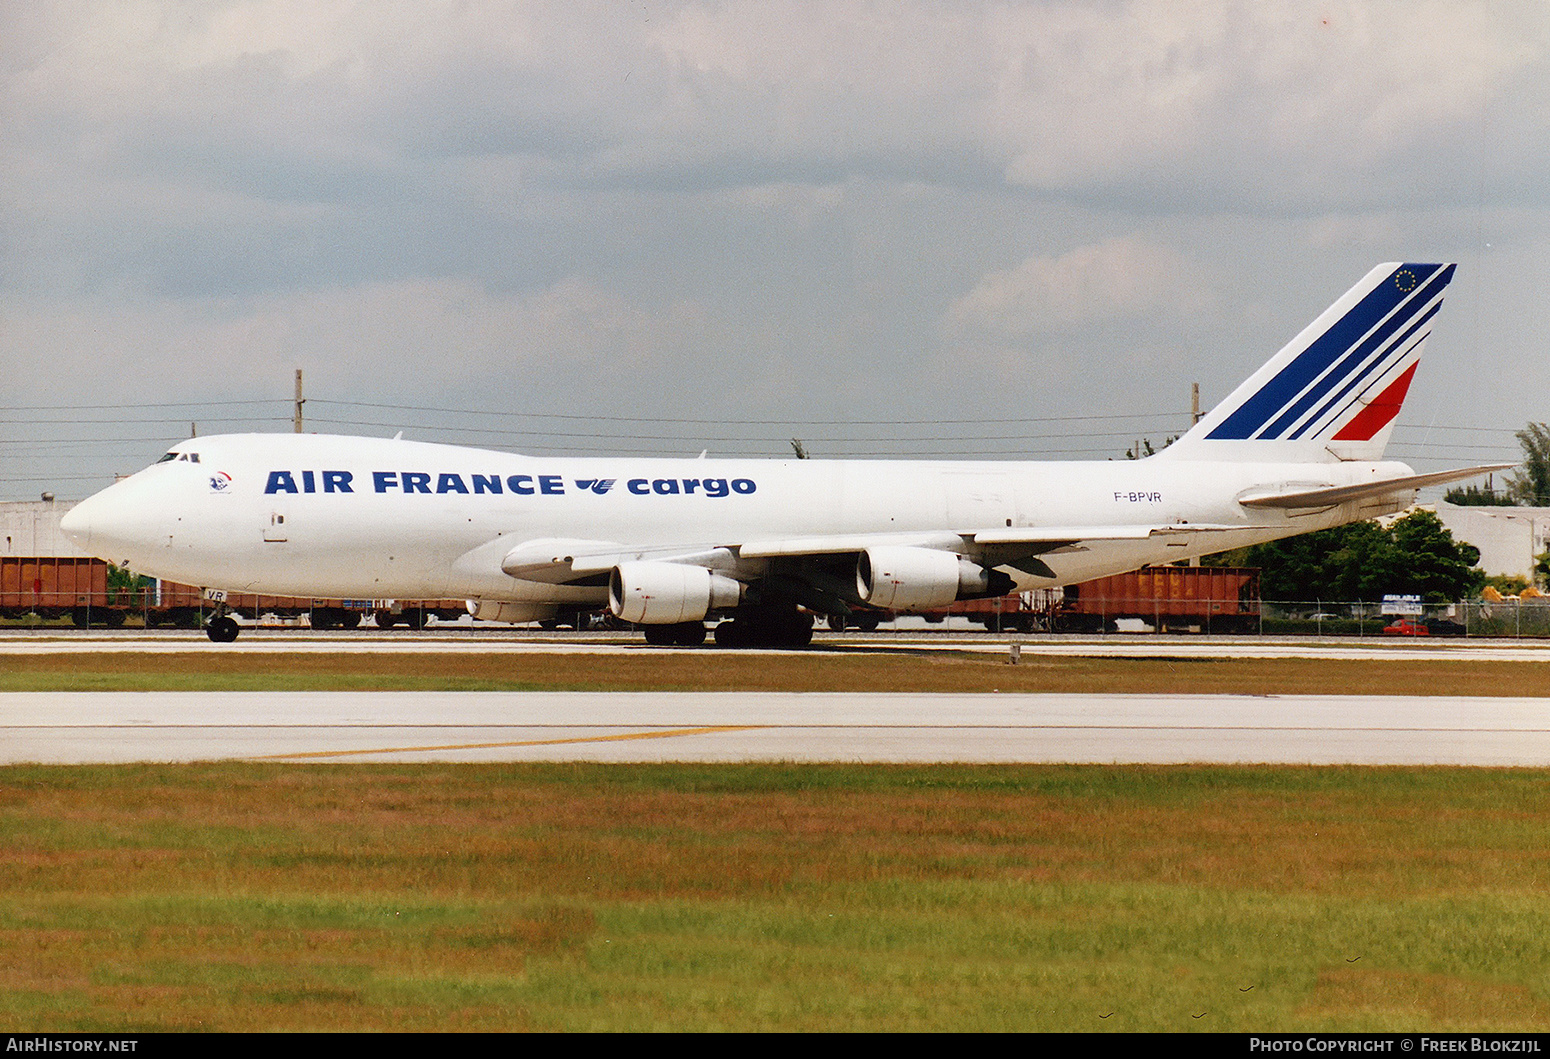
[{"x": 1283, "y": 398}]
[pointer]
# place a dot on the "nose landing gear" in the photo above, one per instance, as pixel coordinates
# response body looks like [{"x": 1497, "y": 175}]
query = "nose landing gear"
[{"x": 222, "y": 629}]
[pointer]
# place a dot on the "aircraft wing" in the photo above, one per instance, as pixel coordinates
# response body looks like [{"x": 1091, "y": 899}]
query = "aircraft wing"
[
  {"x": 567, "y": 560},
  {"x": 1070, "y": 536},
  {"x": 1329, "y": 496}
]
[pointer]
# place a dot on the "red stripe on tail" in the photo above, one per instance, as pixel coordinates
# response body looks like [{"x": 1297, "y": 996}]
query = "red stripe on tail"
[{"x": 1377, "y": 415}]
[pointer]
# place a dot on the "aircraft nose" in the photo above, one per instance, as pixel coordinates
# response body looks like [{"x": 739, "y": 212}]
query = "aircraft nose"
[
  {"x": 77, "y": 522},
  {"x": 111, "y": 525}
]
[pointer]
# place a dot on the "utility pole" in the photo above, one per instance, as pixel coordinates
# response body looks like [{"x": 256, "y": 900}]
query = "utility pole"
[
  {"x": 300, "y": 400},
  {"x": 1194, "y": 417}
]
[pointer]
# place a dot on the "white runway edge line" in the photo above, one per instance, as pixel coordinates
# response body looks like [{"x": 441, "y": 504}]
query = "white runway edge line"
[{"x": 768, "y": 726}]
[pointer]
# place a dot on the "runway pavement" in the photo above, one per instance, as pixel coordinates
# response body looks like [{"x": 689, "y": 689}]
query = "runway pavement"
[{"x": 581, "y": 726}]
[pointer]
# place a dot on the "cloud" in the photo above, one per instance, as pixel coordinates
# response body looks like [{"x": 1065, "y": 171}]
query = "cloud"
[
  {"x": 765, "y": 207},
  {"x": 1147, "y": 91},
  {"x": 1097, "y": 284},
  {"x": 1190, "y": 101},
  {"x": 449, "y": 333}
]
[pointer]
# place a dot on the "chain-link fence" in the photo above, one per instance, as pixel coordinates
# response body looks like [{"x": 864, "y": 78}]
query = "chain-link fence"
[
  {"x": 1529, "y": 617},
  {"x": 1131, "y": 614}
]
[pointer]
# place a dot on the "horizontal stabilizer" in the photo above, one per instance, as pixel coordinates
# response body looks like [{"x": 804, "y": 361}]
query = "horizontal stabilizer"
[{"x": 1339, "y": 494}]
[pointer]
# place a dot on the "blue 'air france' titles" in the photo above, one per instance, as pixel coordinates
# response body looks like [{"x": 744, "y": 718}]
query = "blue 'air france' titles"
[{"x": 493, "y": 484}]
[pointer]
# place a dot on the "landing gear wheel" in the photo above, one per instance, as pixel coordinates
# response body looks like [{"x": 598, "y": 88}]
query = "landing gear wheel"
[
  {"x": 678, "y": 634},
  {"x": 222, "y": 629},
  {"x": 689, "y": 633},
  {"x": 766, "y": 627}
]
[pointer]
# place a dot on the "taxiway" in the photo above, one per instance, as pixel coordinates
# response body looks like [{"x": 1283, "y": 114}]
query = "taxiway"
[{"x": 71, "y": 727}]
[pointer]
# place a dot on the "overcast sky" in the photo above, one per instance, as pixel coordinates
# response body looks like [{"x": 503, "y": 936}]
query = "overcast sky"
[{"x": 877, "y": 226}]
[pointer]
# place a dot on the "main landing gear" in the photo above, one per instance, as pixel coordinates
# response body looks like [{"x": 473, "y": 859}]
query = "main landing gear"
[
  {"x": 681, "y": 634},
  {"x": 768, "y": 626}
]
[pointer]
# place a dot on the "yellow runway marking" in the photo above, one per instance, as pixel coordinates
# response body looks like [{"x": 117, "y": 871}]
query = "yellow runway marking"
[{"x": 667, "y": 734}]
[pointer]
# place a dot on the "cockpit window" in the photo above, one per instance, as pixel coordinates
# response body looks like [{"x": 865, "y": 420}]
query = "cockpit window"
[
  {"x": 169, "y": 456},
  {"x": 187, "y": 457}
]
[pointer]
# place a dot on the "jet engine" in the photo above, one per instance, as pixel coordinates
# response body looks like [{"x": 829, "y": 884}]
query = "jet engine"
[
  {"x": 656, "y": 593},
  {"x": 923, "y": 578}
]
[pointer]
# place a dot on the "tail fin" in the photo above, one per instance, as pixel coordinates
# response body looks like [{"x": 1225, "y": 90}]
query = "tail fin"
[{"x": 1333, "y": 392}]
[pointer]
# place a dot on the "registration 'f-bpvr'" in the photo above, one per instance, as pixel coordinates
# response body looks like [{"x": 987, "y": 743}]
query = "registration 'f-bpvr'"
[{"x": 670, "y": 543}]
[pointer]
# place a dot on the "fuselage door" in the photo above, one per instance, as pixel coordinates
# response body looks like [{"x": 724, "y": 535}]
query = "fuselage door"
[{"x": 276, "y": 530}]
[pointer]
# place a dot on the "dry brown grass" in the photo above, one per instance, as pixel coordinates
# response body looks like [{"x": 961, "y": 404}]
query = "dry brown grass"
[
  {"x": 627, "y": 832},
  {"x": 243, "y": 896},
  {"x": 925, "y": 671},
  {"x": 246, "y": 896}
]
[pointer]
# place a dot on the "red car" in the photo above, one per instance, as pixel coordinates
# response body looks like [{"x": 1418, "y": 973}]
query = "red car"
[{"x": 1406, "y": 627}]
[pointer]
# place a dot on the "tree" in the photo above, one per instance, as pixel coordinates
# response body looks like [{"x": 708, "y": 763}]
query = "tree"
[
  {"x": 123, "y": 583},
  {"x": 1532, "y": 486},
  {"x": 1143, "y": 448},
  {"x": 1365, "y": 561},
  {"x": 1476, "y": 496},
  {"x": 1436, "y": 567}
]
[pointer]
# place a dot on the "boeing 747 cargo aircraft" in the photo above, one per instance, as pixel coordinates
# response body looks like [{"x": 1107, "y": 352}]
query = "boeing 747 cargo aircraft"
[{"x": 672, "y": 543}]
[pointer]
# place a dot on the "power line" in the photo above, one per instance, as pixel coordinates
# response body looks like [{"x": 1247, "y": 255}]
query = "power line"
[
  {"x": 726, "y": 419},
  {"x": 149, "y": 404}
]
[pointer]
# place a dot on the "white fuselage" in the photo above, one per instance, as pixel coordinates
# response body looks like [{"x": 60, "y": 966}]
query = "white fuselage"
[{"x": 359, "y": 517}]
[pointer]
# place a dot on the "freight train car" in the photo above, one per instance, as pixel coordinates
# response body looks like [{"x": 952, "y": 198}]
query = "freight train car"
[
  {"x": 1207, "y": 598},
  {"x": 51, "y": 586},
  {"x": 1202, "y": 598},
  {"x": 54, "y": 586}
]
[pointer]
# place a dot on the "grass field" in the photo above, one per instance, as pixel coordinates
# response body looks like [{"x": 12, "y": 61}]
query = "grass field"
[
  {"x": 245, "y": 896},
  {"x": 827, "y": 671},
  {"x": 490, "y": 897}
]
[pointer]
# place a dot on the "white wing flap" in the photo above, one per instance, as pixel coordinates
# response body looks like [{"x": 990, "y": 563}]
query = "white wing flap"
[
  {"x": 847, "y": 542},
  {"x": 557, "y": 560}
]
